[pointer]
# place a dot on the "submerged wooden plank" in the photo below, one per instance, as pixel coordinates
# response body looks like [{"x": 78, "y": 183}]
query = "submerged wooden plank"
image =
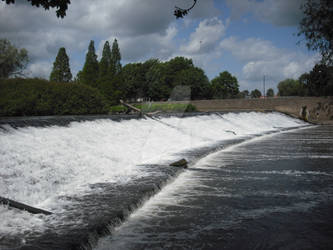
[{"x": 21, "y": 206}]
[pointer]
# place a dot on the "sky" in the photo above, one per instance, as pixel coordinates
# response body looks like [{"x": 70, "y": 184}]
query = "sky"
[{"x": 249, "y": 38}]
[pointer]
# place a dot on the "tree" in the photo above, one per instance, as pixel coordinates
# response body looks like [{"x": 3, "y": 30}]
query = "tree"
[
  {"x": 105, "y": 62},
  {"x": 255, "y": 93},
  {"x": 12, "y": 60},
  {"x": 61, "y": 71},
  {"x": 270, "y": 92},
  {"x": 243, "y": 94},
  {"x": 320, "y": 80},
  {"x": 61, "y": 5},
  {"x": 115, "y": 58},
  {"x": 304, "y": 81},
  {"x": 316, "y": 26},
  {"x": 289, "y": 87},
  {"x": 225, "y": 86},
  {"x": 89, "y": 74},
  {"x": 196, "y": 80}
]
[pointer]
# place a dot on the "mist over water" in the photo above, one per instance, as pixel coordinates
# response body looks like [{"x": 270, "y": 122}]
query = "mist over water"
[{"x": 44, "y": 166}]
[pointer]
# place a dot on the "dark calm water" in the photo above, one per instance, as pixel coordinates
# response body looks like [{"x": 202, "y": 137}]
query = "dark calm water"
[{"x": 273, "y": 192}]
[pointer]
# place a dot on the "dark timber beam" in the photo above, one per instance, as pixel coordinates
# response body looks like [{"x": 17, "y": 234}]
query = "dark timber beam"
[{"x": 21, "y": 206}]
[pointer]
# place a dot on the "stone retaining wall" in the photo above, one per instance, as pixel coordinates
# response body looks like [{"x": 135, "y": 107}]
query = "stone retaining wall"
[{"x": 319, "y": 109}]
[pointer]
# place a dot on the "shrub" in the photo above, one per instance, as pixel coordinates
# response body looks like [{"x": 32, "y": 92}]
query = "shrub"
[{"x": 21, "y": 97}]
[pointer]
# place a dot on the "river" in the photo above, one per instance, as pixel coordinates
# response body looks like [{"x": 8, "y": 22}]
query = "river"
[{"x": 260, "y": 171}]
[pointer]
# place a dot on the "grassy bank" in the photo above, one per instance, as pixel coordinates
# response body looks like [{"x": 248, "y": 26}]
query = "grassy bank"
[{"x": 153, "y": 107}]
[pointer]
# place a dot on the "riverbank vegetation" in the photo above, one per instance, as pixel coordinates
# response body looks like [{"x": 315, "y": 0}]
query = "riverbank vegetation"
[
  {"x": 22, "y": 97},
  {"x": 103, "y": 83}
]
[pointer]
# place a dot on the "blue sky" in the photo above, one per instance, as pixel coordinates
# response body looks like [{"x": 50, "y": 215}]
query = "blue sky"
[{"x": 248, "y": 38}]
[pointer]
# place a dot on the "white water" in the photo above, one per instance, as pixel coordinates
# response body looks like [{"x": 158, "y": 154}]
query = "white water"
[{"x": 37, "y": 165}]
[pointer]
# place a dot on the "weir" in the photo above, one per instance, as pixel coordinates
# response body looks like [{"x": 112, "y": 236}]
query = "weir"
[{"x": 92, "y": 174}]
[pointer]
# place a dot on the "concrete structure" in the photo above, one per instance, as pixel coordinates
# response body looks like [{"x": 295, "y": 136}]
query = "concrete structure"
[{"x": 319, "y": 109}]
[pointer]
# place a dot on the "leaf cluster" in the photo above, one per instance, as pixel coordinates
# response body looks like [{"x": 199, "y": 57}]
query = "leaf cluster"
[
  {"x": 12, "y": 60},
  {"x": 61, "y": 5},
  {"x": 316, "y": 26}
]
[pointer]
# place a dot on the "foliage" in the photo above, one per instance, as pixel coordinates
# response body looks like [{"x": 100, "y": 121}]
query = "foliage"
[
  {"x": 160, "y": 81},
  {"x": 105, "y": 62},
  {"x": 61, "y": 71},
  {"x": 61, "y": 5},
  {"x": 112, "y": 88},
  {"x": 115, "y": 58},
  {"x": 316, "y": 26},
  {"x": 243, "y": 94},
  {"x": 135, "y": 84},
  {"x": 40, "y": 97},
  {"x": 89, "y": 73},
  {"x": 225, "y": 86},
  {"x": 196, "y": 80},
  {"x": 270, "y": 92},
  {"x": 180, "y": 13},
  {"x": 319, "y": 81},
  {"x": 289, "y": 87},
  {"x": 255, "y": 93},
  {"x": 12, "y": 60}
]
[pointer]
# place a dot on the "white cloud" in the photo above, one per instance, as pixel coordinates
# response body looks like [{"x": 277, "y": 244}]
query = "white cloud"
[
  {"x": 261, "y": 57},
  {"x": 205, "y": 38},
  {"x": 140, "y": 26},
  {"x": 40, "y": 69}
]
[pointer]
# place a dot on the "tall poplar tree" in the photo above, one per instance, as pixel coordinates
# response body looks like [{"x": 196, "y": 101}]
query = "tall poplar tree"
[
  {"x": 105, "y": 62},
  {"x": 115, "y": 58},
  {"x": 61, "y": 71},
  {"x": 89, "y": 74}
]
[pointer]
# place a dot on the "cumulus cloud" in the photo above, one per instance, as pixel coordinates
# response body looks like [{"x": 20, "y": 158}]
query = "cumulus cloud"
[
  {"x": 261, "y": 57},
  {"x": 277, "y": 12},
  {"x": 206, "y": 37},
  {"x": 142, "y": 27}
]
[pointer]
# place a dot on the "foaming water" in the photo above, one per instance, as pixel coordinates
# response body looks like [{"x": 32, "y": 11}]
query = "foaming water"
[
  {"x": 242, "y": 197},
  {"x": 41, "y": 166}
]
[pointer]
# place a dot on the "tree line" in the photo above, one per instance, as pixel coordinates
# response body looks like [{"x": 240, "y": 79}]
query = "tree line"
[
  {"x": 317, "y": 82},
  {"x": 150, "y": 80}
]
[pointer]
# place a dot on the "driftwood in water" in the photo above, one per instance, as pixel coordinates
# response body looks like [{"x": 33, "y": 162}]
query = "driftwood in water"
[
  {"x": 130, "y": 106},
  {"x": 22, "y": 206},
  {"x": 138, "y": 110},
  {"x": 180, "y": 163}
]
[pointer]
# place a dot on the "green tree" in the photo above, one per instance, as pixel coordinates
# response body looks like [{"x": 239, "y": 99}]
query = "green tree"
[
  {"x": 289, "y": 87},
  {"x": 61, "y": 5},
  {"x": 243, "y": 94},
  {"x": 89, "y": 74},
  {"x": 316, "y": 26},
  {"x": 115, "y": 58},
  {"x": 255, "y": 93},
  {"x": 157, "y": 87},
  {"x": 304, "y": 81},
  {"x": 320, "y": 81},
  {"x": 196, "y": 79},
  {"x": 105, "y": 62},
  {"x": 12, "y": 60},
  {"x": 270, "y": 92},
  {"x": 61, "y": 71},
  {"x": 225, "y": 86}
]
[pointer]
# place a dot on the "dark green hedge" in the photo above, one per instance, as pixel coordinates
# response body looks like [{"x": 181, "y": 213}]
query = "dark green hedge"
[{"x": 22, "y": 97}]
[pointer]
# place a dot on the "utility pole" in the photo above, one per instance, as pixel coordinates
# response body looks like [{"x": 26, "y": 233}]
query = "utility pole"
[{"x": 264, "y": 94}]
